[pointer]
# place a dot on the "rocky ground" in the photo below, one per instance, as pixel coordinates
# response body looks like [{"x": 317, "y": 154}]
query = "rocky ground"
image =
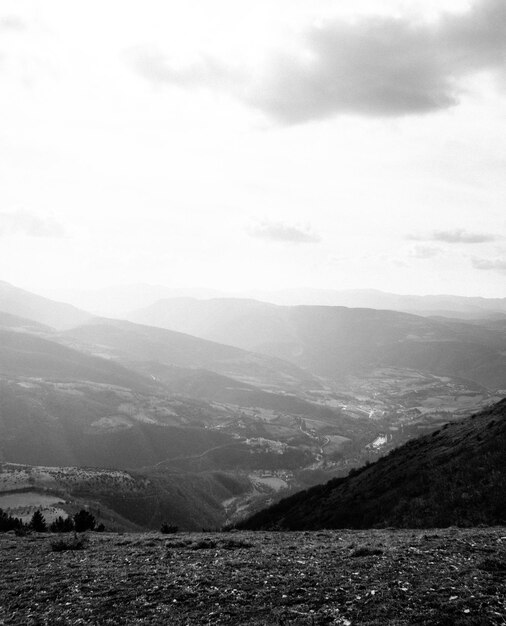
[{"x": 445, "y": 577}]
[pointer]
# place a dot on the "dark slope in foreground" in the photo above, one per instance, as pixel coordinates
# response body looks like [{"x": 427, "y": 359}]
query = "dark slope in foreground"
[{"x": 455, "y": 476}]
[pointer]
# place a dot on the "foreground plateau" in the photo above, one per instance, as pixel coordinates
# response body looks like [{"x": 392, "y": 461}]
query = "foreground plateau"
[{"x": 437, "y": 576}]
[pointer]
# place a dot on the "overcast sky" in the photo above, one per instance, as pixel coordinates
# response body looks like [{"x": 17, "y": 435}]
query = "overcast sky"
[{"x": 254, "y": 144}]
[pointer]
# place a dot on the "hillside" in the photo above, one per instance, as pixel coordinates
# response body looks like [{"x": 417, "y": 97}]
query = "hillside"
[
  {"x": 138, "y": 345},
  {"x": 25, "y": 354},
  {"x": 336, "y": 341},
  {"x": 21, "y": 303},
  {"x": 122, "y": 500},
  {"x": 456, "y": 476}
]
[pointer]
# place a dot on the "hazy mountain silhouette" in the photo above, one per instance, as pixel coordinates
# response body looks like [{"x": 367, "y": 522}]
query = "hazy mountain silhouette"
[
  {"x": 25, "y": 304},
  {"x": 443, "y": 304},
  {"x": 120, "y": 300}
]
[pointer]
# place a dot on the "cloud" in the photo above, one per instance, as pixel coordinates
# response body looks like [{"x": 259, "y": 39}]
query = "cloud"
[
  {"x": 424, "y": 252},
  {"x": 457, "y": 235},
  {"x": 380, "y": 67},
  {"x": 12, "y": 22},
  {"x": 278, "y": 231},
  {"x": 489, "y": 264},
  {"x": 16, "y": 222},
  {"x": 152, "y": 64}
]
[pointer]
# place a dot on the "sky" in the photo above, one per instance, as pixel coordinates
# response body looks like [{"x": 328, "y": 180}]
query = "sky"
[{"x": 263, "y": 144}]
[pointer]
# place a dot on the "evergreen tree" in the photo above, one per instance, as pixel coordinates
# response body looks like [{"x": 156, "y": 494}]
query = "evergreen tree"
[
  {"x": 38, "y": 522},
  {"x": 61, "y": 525},
  {"x": 7, "y": 522},
  {"x": 84, "y": 521}
]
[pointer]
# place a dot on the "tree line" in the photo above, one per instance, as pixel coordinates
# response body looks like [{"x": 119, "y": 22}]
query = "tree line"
[{"x": 80, "y": 522}]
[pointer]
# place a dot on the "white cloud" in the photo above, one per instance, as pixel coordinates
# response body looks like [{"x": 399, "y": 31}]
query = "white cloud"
[
  {"x": 457, "y": 235},
  {"x": 23, "y": 222},
  {"x": 279, "y": 231},
  {"x": 489, "y": 264},
  {"x": 375, "y": 66},
  {"x": 424, "y": 252}
]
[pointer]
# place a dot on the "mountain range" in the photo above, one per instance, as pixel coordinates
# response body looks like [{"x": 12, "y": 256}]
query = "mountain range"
[
  {"x": 118, "y": 301},
  {"x": 233, "y": 404},
  {"x": 336, "y": 341}
]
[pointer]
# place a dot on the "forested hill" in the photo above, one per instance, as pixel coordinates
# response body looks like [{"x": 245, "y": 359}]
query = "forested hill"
[{"x": 454, "y": 476}]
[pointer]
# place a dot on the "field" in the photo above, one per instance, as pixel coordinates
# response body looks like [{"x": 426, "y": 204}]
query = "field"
[{"x": 449, "y": 576}]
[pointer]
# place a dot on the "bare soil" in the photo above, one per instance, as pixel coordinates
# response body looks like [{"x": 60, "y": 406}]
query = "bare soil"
[{"x": 441, "y": 576}]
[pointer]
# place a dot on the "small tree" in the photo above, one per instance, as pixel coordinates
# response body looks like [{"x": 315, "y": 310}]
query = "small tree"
[
  {"x": 84, "y": 520},
  {"x": 38, "y": 522},
  {"x": 61, "y": 525}
]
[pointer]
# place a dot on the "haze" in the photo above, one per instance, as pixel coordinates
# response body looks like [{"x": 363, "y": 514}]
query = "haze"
[{"x": 254, "y": 145}]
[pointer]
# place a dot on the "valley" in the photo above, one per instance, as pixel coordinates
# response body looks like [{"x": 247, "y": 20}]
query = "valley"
[{"x": 215, "y": 431}]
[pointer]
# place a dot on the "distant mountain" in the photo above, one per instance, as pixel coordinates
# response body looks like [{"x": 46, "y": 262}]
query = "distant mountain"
[
  {"x": 455, "y": 476},
  {"x": 336, "y": 341},
  {"x": 27, "y": 305},
  {"x": 118, "y": 300},
  {"x": 139, "y": 346},
  {"x": 445, "y": 305}
]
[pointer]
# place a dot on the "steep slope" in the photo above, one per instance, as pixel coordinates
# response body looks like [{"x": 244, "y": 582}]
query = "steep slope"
[
  {"x": 25, "y": 304},
  {"x": 456, "y": 476},
  {"x": 336, "y": 341}
]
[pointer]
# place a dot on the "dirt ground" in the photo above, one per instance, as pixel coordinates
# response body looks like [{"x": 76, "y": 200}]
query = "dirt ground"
[{"x": 449, "y": 576}]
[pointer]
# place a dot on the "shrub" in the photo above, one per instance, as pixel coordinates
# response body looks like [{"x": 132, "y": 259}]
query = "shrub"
[
  {"x": 235, "y": 544},
  {"x": 365, "y": 551},
  {"x": 69, "y": 543},
  {"x": 84, "y": 521},
  {"x": 168, "y": 529}
]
